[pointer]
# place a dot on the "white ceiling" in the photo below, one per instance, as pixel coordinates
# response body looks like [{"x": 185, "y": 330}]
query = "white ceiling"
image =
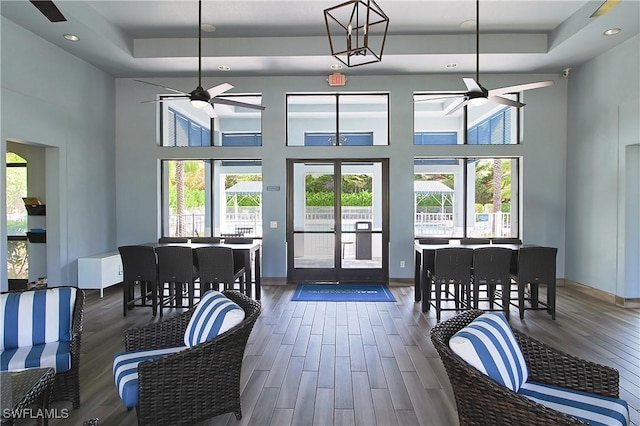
[{"x": 268, "y": 37}]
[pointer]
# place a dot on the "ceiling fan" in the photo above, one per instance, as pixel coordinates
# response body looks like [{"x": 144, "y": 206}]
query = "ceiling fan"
[
  {"x": 199, "y": 97},
  {"x": 476, "y": 93},
  {"x": 49, "y": 10}
]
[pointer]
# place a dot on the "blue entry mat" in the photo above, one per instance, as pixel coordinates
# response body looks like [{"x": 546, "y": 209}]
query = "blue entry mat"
[{"x": 343, "y": 292}]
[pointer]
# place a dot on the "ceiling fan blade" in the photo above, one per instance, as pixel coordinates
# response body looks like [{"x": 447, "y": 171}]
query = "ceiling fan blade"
[
  {"x": 423, "y": 98},
  {"x": 224, "y": 101},
  {"x": 166, "y": 98},
  {"x": 164, "y": 87},
  {"x": 219, "y": 89},
  {"x": 505, "y": 101},
  {"x": 49, "y": 10},
  {"x": 456, "y": 105},
  {"x": 472, "y": 85},
  {"x": 520, "y": 87}
]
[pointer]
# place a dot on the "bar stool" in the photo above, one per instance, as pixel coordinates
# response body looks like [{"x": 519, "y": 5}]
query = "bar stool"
[
  {"x": 491, "y": 266},
  {"x": 175, "y": 269},
  {"x": 139, "y": 266},
  {"x": 452, "y": 267},
  {"x": 216, "y": 266},
  {"x": 536, "y": 266}
]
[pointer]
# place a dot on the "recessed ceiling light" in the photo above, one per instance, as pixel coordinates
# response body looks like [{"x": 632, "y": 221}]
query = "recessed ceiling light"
[
  {"x": 224, "y": 68},
  {"x": 71, "y": 37},
  {"x": 336, "y": 67},
  {"x": 207, "y": 28},
  {"x": 468, "y": 24},
  {"x": 451, "y": 65},
  {"x": 612, "y": 31}
]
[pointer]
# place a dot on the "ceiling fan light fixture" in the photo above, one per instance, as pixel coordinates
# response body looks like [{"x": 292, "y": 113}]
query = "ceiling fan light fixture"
[
  {"x": 479, "y": 101},
  {"x": 198, "y": 103},
  {"x": 357, "y": 31}
]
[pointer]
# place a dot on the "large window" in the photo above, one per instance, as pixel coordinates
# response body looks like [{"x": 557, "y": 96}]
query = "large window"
[
  {"x": 212, "y": 198},
  {"x": 338, "y": 120},
  {"x": 436, "y": 124},
  {"x": 228, "y": 125},
  {"x": 462, "y": 197}
]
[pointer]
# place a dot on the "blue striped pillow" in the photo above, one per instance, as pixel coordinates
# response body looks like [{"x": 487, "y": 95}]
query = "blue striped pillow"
[
  {"x": 36, "y": 317},
  {"x": 488, "y": 344},
  {"x": 214, "y": 315},
  {"x": 597, "y": 410}
]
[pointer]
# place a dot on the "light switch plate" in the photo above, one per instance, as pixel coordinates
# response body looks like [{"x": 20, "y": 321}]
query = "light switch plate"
[{"x": 273, "y": 224}]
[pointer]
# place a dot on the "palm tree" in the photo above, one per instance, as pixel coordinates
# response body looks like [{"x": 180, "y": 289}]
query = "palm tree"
[{"x": 180, "y": 231}]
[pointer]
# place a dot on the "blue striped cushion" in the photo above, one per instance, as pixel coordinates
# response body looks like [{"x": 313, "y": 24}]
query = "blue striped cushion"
[
  {"x": 55, "y": 355},
  {"x": 594, "y": 409},
  {"x": 214, "y": 315},
  {"x": 488, "y": 344},
  {"x": 125, "y": 371},
  {"x": 36, "y": 317}
]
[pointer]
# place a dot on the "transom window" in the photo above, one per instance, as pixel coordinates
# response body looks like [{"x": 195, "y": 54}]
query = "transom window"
[{"x": 338, "y": 119}]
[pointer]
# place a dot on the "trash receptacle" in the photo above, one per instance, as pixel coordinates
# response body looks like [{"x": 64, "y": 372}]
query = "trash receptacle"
[{"x": 363, "y": 240}]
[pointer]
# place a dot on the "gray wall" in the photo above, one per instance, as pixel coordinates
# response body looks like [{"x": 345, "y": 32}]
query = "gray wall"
[
  {"x": 543, "y": 153},
  {"x": 602, "y": 188},
  {"x": 64, "y": 106}
]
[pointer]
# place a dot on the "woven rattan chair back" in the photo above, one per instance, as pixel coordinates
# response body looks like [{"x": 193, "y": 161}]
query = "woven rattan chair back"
[
  {"x": 175, "y": 269},
  {"x": 138, "y": 263},
  {"x": 216, "y": 266},
  {"x": 491, "y": 267},
  {"x": 139, "y": 267},
  {"x": 475, "y": 391},
  {"x": 209, "y": 373}
]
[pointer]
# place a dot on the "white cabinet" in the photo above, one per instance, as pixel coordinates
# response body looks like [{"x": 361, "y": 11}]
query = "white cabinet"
[{"x": 100, "y": 271}]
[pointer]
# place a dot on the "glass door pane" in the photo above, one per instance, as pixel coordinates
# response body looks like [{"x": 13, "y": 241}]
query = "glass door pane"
[
  {"x": 314, "y": 220},
  {"x": 361, "y": 207}
]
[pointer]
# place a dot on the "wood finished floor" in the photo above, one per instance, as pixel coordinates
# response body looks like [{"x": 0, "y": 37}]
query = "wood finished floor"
[{"x": 344, "y": 363}]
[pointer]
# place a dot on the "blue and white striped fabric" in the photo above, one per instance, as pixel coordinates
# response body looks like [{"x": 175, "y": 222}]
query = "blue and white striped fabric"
[
  {"x": 35, "y": 317},
  {"x": 55, "y": 355},
  {"x": 125, "y": 371},
  {"x": 594, "y": 409},
  {"x": 488, "y": 344},
  {"x": 214, "y": 315}
]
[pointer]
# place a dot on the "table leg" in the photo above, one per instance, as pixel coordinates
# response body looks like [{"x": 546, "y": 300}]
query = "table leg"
[
  {"x": 417, "y": 284},
  {"x": 248, "y": 272},
  {"x": 258, "y": 274}
]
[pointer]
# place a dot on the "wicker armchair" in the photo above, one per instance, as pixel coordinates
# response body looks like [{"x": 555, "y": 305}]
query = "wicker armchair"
[
  {"x": 196, "y": 383},
  {"x": 66, "y": 386},
  {"x": 483, "y": 401}
]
